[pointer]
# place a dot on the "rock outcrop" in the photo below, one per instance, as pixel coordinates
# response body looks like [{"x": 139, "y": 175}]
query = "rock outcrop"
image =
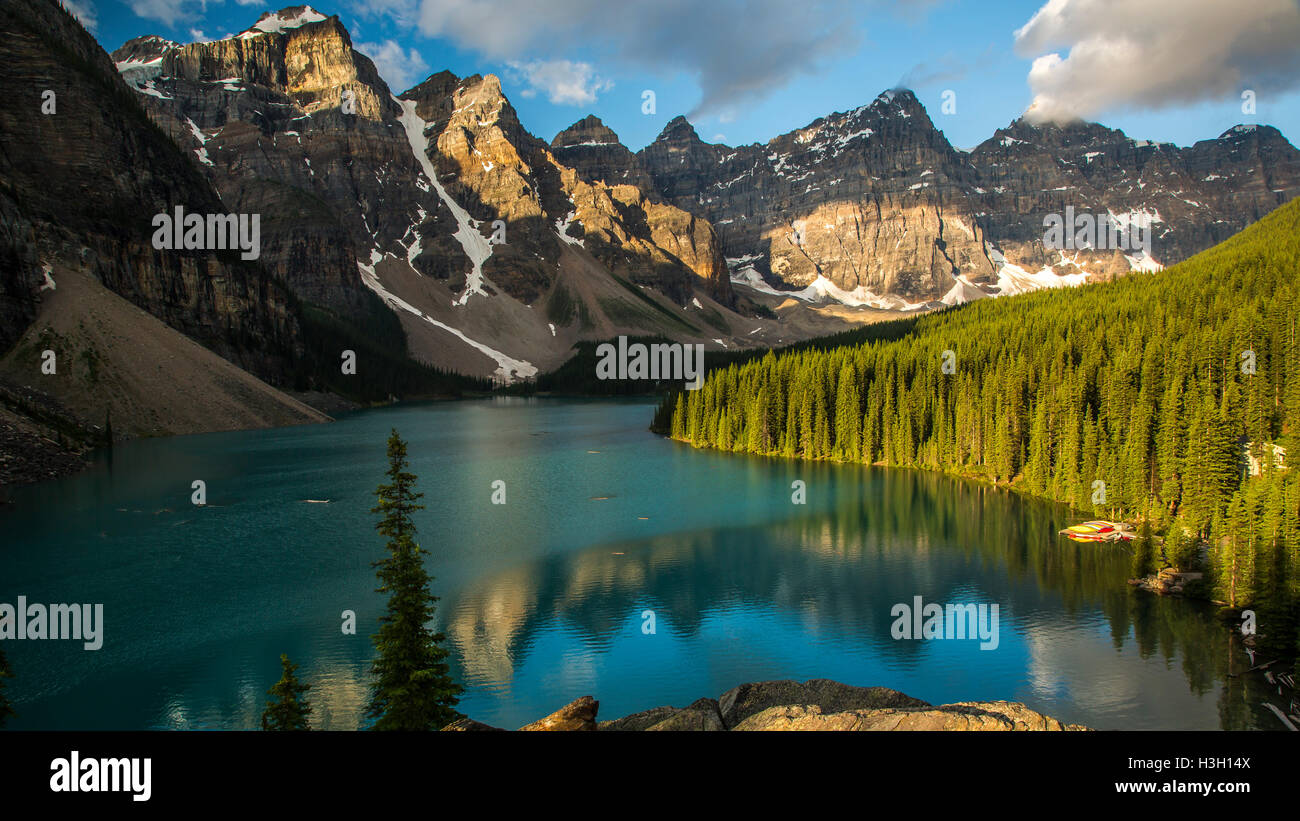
[
  {"x": 739, "y": 703},
  {"x": 981, "y": 716},
  {"x": 578, "y": 715},
  {"x": 818, "y": 704}
]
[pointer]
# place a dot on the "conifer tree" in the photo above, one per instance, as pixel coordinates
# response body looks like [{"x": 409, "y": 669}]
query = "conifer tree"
[
  {"x": 288, "y": 708},
  {"x": 412, "y": 687},
  {"x": 1143, "y": 552},
  {"x": 1180, "y": 550}
]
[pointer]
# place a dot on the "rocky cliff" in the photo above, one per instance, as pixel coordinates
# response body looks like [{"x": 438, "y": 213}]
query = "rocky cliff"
[
  {"x": 873, "y": 201},
  {"x": 84, "y": 172},
  {"x": 437, "y": 199},
  {"x": 874, "y": 207},
  {"x": 815, "y": 705}
]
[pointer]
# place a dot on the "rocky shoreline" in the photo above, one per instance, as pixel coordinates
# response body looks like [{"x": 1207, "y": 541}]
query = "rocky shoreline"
[{"x": 814, "y": 705}]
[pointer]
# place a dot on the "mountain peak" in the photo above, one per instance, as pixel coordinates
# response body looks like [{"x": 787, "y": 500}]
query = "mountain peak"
[
  {"x": 143, "y": 49},
  {"x": 277, "y": 22},
  {"x": 589, "y": 131},
  {"x": 679, "y": 129},
  {"x": 900, "y": 95},
  {"x": 1248, "y": 130}
]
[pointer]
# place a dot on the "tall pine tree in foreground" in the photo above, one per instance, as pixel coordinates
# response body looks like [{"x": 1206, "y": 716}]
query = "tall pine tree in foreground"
[
  {"x": 288, "y": 708},
  {"x": 5, "y": 710},
  {"x": 412, "y": 688}
]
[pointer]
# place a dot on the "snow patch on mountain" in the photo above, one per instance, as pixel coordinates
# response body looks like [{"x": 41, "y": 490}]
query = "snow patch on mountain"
[
  {"x": 822, "y": 290},
  {"x": 202, "y": 151},
  {"x": 1012, "y": 279},
  {"x": 1144, "y": 262},
  {"x": 562, "y": 228},
  {"x": 963, "y": 291},
  {"x": 477, "y": 247},
  {"x": 508, "y": 369}
]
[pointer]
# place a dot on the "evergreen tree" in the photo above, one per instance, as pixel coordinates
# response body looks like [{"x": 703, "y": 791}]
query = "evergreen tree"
[
  {"x": 1180, "y": 550},
  {"x": 288, "y": 707},
  {"x": 6, "y": 711},
  {"x": 1144, "y": 562},
  {"x": 413, "y": 688}
]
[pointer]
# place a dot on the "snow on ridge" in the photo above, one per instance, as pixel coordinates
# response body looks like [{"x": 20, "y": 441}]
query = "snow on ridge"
[
  {"x": 477, "y": 247},
  {"x": 273, "y": 23},
  {"x": 508, "y": 368},
  {"x": 141, "y": 74}
]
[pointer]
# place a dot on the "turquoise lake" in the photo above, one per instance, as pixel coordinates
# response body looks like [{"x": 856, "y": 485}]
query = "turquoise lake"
[{"x": 542, "y": 598}]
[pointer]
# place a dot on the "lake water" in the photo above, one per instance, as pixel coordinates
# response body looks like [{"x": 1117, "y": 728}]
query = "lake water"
[{"x": 542, "y": 598}]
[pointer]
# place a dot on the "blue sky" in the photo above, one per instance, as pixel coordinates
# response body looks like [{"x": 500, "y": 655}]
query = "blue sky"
[{"x": 746, "y": 70}]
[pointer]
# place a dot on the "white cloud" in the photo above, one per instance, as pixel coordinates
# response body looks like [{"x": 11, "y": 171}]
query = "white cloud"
[
  {"x": 251, "y": 2},
  {"x": 563, "y": 81},
  {"x": 198, "y": 36},
  {"x": 1156, "y": 53},
  {"x": 738, "y": 51},
  {"x": 400, "y": 69},
  {"x": 403, "y": 12},
  {"x": 84, "y": 11},
  {"x": 170, "y": 12}
]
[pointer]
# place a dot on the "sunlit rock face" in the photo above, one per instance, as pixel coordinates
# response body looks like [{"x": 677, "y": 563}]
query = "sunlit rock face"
[
  {"x": 288, "y": 119},
  {"x": 877, "y": 199}
]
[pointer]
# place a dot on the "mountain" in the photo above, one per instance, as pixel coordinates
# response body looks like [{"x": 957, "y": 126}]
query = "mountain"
[
  {"x": 432, "y": 225},
  {"x": 874, "y": 206},
  {"x": 106, "y": 334},
  {"x": 81, "y": 186},
  {"x": 498, "y": 252},
  {"x": 496, "y": 256},
  {"x": 1195, "y": 197}
]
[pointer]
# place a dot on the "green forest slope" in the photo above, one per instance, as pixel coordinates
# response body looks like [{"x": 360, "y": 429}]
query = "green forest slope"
[{"x": 1142, "y": 398}]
